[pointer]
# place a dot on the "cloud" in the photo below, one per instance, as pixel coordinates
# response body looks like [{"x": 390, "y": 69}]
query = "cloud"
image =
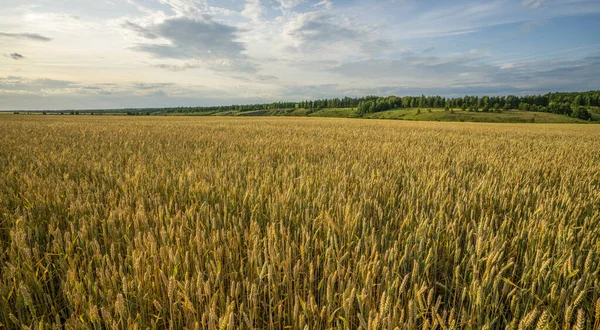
[
  {"x": 319, "y": 30},
  {"x": 326, "y": 4},
  {"x": 551, "y": 75},
  {"x": 21, "y": 93},
  {"x": 203, "y": 41},
  {"x": 44, "y": 86},
  {"x": 78, "y": 91},
  {"x": 471, "y": 73},
  {"x": 266, "y": 78},
  {"x": 146, "y": 86},
  {"x": 253, "y": 10},
  {"x": 16, "y": 83},
  {"x": 311, "y": 92},
  {"x": 415, "y": 67},
  {"x": 289, "y": 4},
  {"x": 141, "y": 31},
  {"x": 258, "y": 78},
  {"x": 534, "y": 3},
  {"x": 28, "y": 36},
  {"x": 177, "y": 68},
  {"x": 16, "y": 56},
  {"x": 450, "y": 76},
  {"x": 186, "y": 7},
  {"x": 530, "y": 26},
  {"x": 191, "y": 38},
  {"x": 158, "y": 93}
]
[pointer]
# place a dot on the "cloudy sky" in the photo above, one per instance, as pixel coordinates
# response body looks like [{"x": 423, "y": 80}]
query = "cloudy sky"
[{"x": 81, "y": 54}]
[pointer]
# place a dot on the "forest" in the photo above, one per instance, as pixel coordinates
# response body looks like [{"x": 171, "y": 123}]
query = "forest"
[
  {"x": 571, "y": 104},
  {"x": 578, "y": 105}
]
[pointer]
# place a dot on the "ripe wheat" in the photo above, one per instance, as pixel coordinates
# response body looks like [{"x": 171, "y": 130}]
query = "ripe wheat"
[{"x": 226, "y": 223}]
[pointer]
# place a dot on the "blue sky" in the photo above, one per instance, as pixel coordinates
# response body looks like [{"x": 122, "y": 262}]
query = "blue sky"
[{"x": 77, "y": 54}]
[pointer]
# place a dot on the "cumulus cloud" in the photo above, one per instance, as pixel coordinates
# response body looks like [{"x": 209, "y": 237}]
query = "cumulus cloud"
[
  {"x": 194, "y": 38},
  {"x": 203, "y": 40},
  {"x": 27, "y": 36}
]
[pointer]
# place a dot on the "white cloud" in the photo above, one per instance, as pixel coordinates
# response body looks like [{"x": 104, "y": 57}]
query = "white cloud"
[
  {"x": 253, "y": 10},
  {"x": 25, "y": 36},
  {"x": 186, "y": 7},
  {"x": 326, "y": 4},
  {"x": 534, "y": 3},
  {"x": 322, "y": 35},
  {"x": 289, "y": 4}
]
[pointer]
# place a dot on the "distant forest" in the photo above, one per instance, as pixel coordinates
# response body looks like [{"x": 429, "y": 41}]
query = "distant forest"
[
  {"x": 571, "y": 104},
  {"x": 574, "y": 104}
]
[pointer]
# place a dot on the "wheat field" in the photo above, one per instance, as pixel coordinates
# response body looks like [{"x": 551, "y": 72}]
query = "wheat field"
[{"x": 297, "y": 223}]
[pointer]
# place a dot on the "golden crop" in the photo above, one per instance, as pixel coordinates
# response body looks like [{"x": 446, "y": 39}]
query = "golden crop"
[{"x": 273, "y": 223}]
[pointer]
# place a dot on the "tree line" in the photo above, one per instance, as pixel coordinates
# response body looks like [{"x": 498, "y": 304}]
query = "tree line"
[{"x": 571, "y": 104}]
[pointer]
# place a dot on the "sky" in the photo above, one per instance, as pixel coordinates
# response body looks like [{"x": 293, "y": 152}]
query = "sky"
[{"x": 100, "y": 54}]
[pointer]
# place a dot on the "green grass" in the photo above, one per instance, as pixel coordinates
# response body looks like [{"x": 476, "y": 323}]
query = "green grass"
[
  {"x": 335, "y": 112},
  {"x": 506, "y": 116},
  {"x": 261, "y": 113},
  {"x": 289, "y": 112},
  {"x": 298, "y": 113},
  {"x": 510, "y": 116},
  {"x": 256, "y": 113},
  {"x": 200, "y": 114}
]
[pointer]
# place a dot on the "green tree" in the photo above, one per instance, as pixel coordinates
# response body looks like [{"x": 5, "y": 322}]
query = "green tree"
[{"x": 581, "y": 113}]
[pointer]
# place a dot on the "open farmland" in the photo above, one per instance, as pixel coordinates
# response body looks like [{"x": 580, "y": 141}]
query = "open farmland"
[{"x": 301, "y": 223}]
